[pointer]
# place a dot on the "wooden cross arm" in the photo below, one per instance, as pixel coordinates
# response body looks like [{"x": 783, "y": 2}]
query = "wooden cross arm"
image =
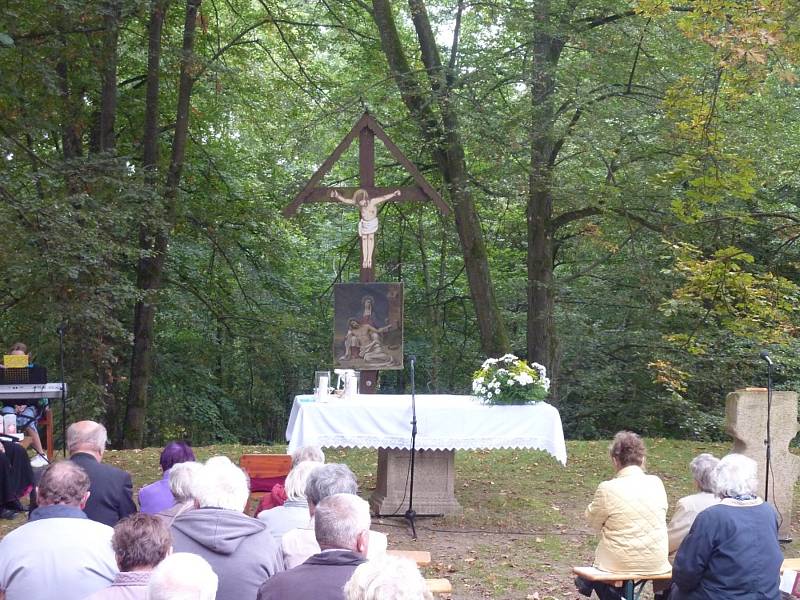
[{"x": 323, "y": 194}]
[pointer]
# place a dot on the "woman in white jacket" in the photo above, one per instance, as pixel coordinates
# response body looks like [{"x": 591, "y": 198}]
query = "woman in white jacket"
[{"x": 630, "y": 513}]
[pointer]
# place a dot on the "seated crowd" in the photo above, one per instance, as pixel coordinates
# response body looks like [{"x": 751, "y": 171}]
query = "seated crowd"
[
  {"x": 192, "y": 538},
  {"x": 312, "y": 538},
  {"x": 722, "y": 541}
]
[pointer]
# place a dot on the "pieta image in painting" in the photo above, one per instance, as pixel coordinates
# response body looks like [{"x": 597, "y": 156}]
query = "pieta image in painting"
[{"x": 368, "y": 326}]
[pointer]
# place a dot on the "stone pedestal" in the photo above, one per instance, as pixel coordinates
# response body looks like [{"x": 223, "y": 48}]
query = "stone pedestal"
[
  {"x": 434, "y": 482},
  {"x": 746, "y": 422}
]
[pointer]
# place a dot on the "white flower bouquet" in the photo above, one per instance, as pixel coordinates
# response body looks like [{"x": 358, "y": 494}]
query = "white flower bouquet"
[{"x": 510, "y": 380}]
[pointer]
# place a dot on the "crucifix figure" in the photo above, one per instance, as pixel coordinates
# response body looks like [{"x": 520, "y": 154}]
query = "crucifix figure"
[
  {"x": 368, "y": 225},
  {"x": 367, "y": 197}
]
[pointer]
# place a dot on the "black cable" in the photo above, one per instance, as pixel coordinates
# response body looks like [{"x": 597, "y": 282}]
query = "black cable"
[
  {"x": 584, "y": 533},
  {"x": 396, "y": 512}
]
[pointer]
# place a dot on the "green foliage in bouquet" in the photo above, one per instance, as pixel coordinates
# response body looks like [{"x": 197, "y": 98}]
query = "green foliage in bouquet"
[{"x": 510, "y": 380}]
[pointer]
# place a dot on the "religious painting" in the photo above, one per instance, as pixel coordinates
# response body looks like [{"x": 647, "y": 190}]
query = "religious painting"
[{"x": 368, "y": 326}]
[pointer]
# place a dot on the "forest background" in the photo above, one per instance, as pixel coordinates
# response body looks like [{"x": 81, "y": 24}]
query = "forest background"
[{"x": 623, "y": 178}]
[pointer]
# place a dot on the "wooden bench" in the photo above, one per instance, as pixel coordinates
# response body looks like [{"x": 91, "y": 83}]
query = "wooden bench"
[
  {"x": 439, "y": 586},
  {"x": 790, "y": 564},
  {"x": 631, "y": 583},
  {"x": 264, "y": 471},
  {"x": 421, "y": 557}
]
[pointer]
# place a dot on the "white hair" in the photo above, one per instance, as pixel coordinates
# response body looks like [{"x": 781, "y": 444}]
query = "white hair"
[
  {"x": 182, "y": 477},
  {"x": 339, "y": 519},
  {"x": 221, "y": 484},
  {"x": 86, "y": 434},
  {"x": 303, "y": 453},
  {"x": 297, "y": 479},
  {"x": 702, "y": 467},
  {"x": 735, "y": 475},
  {"x": 183, "y": 576},
  {"x": 387, "y": 578}
]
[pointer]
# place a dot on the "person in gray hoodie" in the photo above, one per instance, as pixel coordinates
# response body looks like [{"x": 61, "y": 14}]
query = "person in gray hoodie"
[{"x": 240, "y": 549}]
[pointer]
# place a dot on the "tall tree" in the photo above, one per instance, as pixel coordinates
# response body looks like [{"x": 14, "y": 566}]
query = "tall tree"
[
  {"x": 442, "y": 132},
  {"x": 155, "y": 239}
]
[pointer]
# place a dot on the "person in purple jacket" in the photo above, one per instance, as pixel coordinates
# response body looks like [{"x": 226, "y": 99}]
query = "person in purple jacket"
[{"x": 157, "y": 496}]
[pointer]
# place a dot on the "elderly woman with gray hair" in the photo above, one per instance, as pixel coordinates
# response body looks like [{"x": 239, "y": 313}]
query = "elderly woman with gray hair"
[
  {"x": 688, "y": 507},
  {"x": 732, "y": 549}
]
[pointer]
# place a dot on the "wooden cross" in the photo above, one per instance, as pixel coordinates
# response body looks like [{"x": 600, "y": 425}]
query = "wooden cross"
[{"x": 366, "y": 197}]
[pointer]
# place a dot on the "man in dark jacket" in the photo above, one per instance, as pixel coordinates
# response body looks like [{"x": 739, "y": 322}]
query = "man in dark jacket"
[
  {"x": 111, "y": 489},
  {"x": 341, "y": 526},
  {"x": 240, "y": 549}
]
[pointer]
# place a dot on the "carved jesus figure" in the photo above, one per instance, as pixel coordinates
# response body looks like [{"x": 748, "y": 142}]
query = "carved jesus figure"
[{"x": 368, "y": 225}]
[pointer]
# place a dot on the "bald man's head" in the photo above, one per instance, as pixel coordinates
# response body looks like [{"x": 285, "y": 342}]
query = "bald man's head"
[{"x": 87, "y": 436}]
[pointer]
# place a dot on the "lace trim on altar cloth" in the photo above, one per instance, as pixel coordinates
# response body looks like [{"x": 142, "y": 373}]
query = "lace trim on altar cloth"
[{"x": 427, "y": 443}]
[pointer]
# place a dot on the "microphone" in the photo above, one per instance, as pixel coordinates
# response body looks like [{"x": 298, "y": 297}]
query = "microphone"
[{"x": 765, "y": 356}]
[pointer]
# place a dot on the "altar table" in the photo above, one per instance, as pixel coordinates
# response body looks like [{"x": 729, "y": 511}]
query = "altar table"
[{"x": 445, "y": 423}]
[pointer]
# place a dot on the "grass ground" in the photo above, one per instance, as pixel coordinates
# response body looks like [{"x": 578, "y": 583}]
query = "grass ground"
[{"x": 522, "y": 525}]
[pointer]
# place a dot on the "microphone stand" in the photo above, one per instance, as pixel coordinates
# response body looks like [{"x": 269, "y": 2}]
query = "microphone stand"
[
  {"x": 410, "y": 514},
  {"x": 63, "y": 392},
  {"x": 768, "y": 441}
]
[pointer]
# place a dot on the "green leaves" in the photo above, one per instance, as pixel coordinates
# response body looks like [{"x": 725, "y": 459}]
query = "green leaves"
[{"x": 722, "y": 292}]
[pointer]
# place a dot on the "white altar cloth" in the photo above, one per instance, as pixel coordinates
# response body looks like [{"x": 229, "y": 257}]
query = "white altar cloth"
[{"x": 444, "y": 422}]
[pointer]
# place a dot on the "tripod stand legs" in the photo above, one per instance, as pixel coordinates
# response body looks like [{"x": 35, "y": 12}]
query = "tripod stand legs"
[{"x": 411, "y": 517}]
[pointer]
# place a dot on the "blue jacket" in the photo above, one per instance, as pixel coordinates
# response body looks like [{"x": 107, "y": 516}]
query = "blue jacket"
[{"x": 730, "y": 553}]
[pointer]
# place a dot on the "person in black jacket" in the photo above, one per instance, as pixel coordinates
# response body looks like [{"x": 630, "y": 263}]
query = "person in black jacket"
[
  {"x": 16, "y": 478},
  {"x": 111, "y": 489}
]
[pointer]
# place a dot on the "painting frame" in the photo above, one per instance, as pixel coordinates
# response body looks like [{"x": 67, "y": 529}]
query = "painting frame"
[{"x": 368, "y": 326}]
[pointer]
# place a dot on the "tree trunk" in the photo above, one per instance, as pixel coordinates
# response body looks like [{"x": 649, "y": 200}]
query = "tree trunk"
[
  {"x": 448, "y": 151},
  {"x": 71, "y": 144},
  {"x": 541, "y": 332},
  {"x": 150, "y": 138},
  {"x": 432, "y": 308},
  {"x": 106, "y": 142},
  {"x": 155, "y": 240},
  {"x": 108, "y": 94}
]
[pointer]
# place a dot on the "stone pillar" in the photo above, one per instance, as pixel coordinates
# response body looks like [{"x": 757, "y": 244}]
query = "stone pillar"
[
  {"x": 434, "y": 483},
  {"x": 746, "y": 422}
]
